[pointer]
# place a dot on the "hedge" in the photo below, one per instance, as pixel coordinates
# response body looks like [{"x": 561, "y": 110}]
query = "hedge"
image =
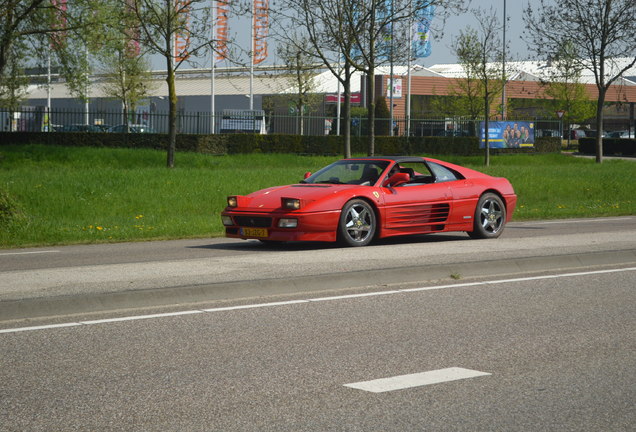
[
  {"x": 275, "y": 143},
  {"x": 611, "y": 146}
]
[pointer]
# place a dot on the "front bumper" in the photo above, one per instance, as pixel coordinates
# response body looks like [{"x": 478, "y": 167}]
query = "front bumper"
[{"x": 315, "y": 226}]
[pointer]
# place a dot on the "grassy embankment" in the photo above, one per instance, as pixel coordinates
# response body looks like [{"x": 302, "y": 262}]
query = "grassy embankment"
[{"x": 84, "y": 195}]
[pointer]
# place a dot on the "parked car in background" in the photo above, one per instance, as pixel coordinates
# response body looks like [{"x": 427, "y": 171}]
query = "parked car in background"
[
  {"x": 575, "y": 134},
  {"x": 103, "y": 127},
  {"x": 620, "y": 134},
  {"x": 78, "y": 128},
  {"x": 593, "y": 133},
  {"x": 132, "y": 128},
  {"x": 547, "y": 133}
]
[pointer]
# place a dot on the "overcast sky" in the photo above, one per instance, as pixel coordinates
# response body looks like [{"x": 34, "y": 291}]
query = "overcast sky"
[
  {"x": 518, "y": 49},
  {"x": 441, "y": 51}
]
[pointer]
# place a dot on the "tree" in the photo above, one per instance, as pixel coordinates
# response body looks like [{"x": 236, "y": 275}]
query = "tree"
[
  {"x": 324, "y": 35},
  {"x": 13, "y": 81},
  {"x": 22, "y": 20},
  {"x": 161, "y": 23},
  {"x": 127, "y": 78},
  {"x": 464, "y": 98},
  {"x": 56, "y": 29},
  {"x": 564, "y": 87},
  {"x": 126, "y": 68},
  {"x": 599, "y": 31},
  {"x": 372, "y": 24},
  {"x": 302, "y": 79},
  {"x": 479, "y": 53},
  {"x": 359, "y": 35}
]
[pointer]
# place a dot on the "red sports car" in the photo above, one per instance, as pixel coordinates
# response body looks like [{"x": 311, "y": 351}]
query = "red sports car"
[{"x": 356, "y": 200}]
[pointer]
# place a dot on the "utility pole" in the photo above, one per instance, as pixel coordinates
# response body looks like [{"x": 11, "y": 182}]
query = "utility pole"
[{"x": 503, "y": 67}]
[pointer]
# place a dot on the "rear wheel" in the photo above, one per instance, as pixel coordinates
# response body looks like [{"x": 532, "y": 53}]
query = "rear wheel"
[
  {"x": 357, "y": 223},
  {"x": 490, "y": 217}
]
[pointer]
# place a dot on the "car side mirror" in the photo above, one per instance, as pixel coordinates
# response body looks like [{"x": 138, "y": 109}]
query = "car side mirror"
[
  {"x": 396, "y": 179},
  {"x": 307, "y": 175}
]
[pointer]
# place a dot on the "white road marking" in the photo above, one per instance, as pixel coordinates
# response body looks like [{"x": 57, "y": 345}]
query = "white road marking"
[
  {"x": 29, "y": 253},
  {"x": 416, "y": 380},
  {"x": 311, "y": 300},
  {"x": 253, "y": 306},
  {"x": 572, "y": 221}
]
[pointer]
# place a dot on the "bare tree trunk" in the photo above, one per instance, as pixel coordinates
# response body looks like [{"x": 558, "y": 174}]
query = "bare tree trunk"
[
  {"x": 371, "y": 111},
  {"x": 346, "y": 84},
  {"x": 486, "y": 134},
  {"x": 172, "y": 115},
  {"x": 347, "y": 120},
  {"x": 599, "y": 125}
]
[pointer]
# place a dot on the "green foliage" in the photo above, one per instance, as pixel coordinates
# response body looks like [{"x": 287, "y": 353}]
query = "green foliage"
[
  {"x": 10, "y": 212},
  {"x": 381, "y": 115},
  {"x": 220, "y": 144},
  {"x": 611, "y": 146},
  {"x": 13, "y": 81},
  {"x": 548, "y": 145}
]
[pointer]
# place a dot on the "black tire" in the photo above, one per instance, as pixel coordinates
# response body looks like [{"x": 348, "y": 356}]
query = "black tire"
[
  {"x": 490, "y": 217},
  {"x": 357, "y": 224}
]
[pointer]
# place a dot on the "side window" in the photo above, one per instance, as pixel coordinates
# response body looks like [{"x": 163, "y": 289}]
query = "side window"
[
  {"x": 443, "y": 174},
  {"x": 419, "y": 173}
]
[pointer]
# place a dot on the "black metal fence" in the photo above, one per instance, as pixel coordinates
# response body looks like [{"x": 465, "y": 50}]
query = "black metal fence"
[{"x": 36, "y": 119}]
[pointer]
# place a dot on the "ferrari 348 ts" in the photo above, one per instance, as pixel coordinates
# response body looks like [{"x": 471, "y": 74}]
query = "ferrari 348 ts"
[{"x": 356, "y": 200}]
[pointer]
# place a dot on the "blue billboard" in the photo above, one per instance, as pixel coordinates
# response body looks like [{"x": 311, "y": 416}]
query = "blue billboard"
[{"x": 507, "y": 134}]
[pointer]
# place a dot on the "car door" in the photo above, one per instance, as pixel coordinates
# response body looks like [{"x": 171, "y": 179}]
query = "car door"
[{"x": 417, "y": 206}]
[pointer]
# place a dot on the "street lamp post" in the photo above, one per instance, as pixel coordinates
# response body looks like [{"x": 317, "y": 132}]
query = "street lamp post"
[{"x": 503, "y": 67}]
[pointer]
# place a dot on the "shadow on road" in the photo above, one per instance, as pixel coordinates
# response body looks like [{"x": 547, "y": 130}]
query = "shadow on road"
[{"x": 256, "y": 245}]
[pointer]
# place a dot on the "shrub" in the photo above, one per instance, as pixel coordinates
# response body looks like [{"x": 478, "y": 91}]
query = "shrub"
[
  {"x": 611, "y": 146},
  {"x": 9, "y": 210},
  {"x": 295, "y": 144}
]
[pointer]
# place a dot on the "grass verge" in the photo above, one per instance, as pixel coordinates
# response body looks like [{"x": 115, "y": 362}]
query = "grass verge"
[{"x": 88, "y": 195}]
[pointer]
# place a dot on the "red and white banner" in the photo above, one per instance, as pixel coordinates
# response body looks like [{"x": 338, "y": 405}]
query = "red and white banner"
[
  {"x": 221, "y": 27},
  {"x": 133, "y": 48},
  {"x": 182, "y": 37},
  {"x": 333, "y": 98},
  {"x": 59, "y": 23},
  {"x": 261, "y": 30}
]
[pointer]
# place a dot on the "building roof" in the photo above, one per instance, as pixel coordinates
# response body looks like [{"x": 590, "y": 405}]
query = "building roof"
[
  {"x": 541, "y": 70},
  {"x": 197, "y": 82}
]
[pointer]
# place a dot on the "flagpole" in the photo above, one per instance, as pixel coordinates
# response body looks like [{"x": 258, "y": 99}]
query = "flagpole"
[
  {"x": 253, "y": 47},
  {"x": 212, "y": 62},
  {"x": 338, "y": 95},
  {"x": 391, "y": 79},
  {"x": 410, "y": 51}
]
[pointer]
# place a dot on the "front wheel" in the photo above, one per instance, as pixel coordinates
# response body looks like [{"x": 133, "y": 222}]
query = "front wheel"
[
  {"x": 490, "y": 217},
  {"x": 357, "y": 223}
]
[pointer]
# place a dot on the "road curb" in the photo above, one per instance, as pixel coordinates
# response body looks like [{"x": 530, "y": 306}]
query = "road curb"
[{"x": 180, "y": 295}]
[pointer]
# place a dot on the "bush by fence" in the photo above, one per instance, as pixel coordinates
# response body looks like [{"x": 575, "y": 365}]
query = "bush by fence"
[
  {"x": 275, "y": 143},
  {"x": 611, "y": 146}
]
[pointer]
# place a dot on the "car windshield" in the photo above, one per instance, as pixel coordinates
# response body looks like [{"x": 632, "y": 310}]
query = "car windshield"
[{"x": 358, "y": 172}]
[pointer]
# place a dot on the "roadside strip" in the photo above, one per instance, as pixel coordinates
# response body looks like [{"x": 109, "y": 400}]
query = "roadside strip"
[
  {"x": 370, "y": 385},
  {"x": 43, "y": 307}
]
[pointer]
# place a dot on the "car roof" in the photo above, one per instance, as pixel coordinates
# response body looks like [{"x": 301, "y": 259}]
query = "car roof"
[{"x": 391, "y": 158}]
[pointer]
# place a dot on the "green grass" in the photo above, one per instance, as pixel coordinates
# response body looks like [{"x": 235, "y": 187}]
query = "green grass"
[{"x": 84, "y": 195}]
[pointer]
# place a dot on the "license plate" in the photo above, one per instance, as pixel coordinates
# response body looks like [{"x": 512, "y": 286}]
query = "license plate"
[{"x": 254, "y": 232}]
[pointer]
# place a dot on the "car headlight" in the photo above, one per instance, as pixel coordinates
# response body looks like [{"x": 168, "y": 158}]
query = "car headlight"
[
  {"x": 227, "y": 220},
  {"x": 232, "y": 201},
  {"x": 287, "y": 223},
  {"x": 290, "y": 203}
]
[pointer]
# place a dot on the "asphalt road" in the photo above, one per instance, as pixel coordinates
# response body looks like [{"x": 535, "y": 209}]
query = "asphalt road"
[
  {"x": 58, "y": 281},
  {"x": 554, "y": 353}
]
